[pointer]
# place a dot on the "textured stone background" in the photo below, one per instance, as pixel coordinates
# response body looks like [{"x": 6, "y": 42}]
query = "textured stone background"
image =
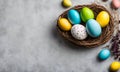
[{"x": 29, "y": 41}]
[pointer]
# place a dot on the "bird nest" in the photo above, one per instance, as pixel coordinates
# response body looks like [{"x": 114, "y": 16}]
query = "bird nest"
[{"x": 89, "y": 41}]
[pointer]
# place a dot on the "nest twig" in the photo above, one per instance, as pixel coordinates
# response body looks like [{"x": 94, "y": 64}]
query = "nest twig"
[{"x": 89, "y": 41}]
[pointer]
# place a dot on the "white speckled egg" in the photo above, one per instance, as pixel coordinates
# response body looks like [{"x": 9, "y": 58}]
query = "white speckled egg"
[{"x": 78, "y": 31}]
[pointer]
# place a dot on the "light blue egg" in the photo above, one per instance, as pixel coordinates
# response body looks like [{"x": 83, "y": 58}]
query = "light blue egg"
[
  {"x": 74, "y": 16},
  {"x": 104, "y": 54},
  {"x": 93, "y": 28}
]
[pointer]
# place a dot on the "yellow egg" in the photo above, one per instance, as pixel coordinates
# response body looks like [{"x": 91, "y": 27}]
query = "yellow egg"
[
  {"x": 64, "y": 24},
  {"x": 115, "y": 66},
  {"x": 103, "y": 18},
  {"x": 67, "y": 3}
]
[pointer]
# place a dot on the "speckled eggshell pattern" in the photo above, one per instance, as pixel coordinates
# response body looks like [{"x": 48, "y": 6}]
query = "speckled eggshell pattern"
[{"x": 78, "y": 31}]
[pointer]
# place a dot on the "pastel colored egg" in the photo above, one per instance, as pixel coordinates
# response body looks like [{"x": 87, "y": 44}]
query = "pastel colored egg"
[
  {"x": 116, "y": 3},
  {"x": 86, "y": 14},
  {"x": 64, "y": 24},
  {"x": 74, "y": 17},
  {"x": 67, "y": 3},
  {"x": 93, "y": 28},
  {"x": 78, "y": 31},
  {"x": 104, "y": 54},
  {"x": 103, "y": 18},
  {"x": 115, "y": 66}
]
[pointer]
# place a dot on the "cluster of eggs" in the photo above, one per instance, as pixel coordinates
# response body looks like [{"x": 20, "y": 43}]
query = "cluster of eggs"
[{"x": 91, "y": 26}]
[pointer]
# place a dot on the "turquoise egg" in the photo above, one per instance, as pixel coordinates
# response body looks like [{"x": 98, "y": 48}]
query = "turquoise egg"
[
  {"x": 74, "y": 16},
  {"x": 104, "y": 54},
  {"x": 93, "y": 28}
]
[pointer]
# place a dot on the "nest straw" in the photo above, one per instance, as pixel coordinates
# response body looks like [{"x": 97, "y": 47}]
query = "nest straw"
[{"x": 89, "y": 41}]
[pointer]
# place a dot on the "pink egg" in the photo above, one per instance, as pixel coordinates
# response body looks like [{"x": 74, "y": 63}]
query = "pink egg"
[{"x": 116, "y": 3}]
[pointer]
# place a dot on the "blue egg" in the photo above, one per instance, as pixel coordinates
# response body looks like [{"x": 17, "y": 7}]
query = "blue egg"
[
  {"x": 74, "y": 16},
  {"x": 104, "y": 54},
  {"x": 93, "y": 28}
]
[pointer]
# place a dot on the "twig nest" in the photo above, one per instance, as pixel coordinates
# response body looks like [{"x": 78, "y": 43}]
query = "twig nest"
[{"x": 77, "y": 19}]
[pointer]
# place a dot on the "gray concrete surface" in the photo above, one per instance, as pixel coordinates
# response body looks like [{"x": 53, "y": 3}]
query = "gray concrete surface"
[{"x": 29, "y": 41}]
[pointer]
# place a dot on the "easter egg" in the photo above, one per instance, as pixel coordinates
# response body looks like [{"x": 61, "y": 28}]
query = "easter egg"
[
  {"x": 67, "y": 3},
  {"x": 116, "y": 3},
  {"x": 74, "y": 17},
  {"x": 78, "y": 31},
  {"x": 93, "y": 28},
  {"x": 115, "y": 66},
  {"x": 104, "y": 54},
  {"x": 64, "y": 24},
  {"x": 86, "y": 14},
  {"x": 103, "y": 18}
]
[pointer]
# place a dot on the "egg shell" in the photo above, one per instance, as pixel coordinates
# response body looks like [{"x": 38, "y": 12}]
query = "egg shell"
[
  {"x": 74, "y": 17},
  {"x": 64, "y": 24},
  {"x": 67, "y": 3},
  {"x": 104, "y": 54},
  {"x": 103, "y": 18},
  {"x": 86, "y": 14},
  {"x": 93, "y": 28},
  {"x": 78, "y": 31},
  {"x": 115, "y": 66}
]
